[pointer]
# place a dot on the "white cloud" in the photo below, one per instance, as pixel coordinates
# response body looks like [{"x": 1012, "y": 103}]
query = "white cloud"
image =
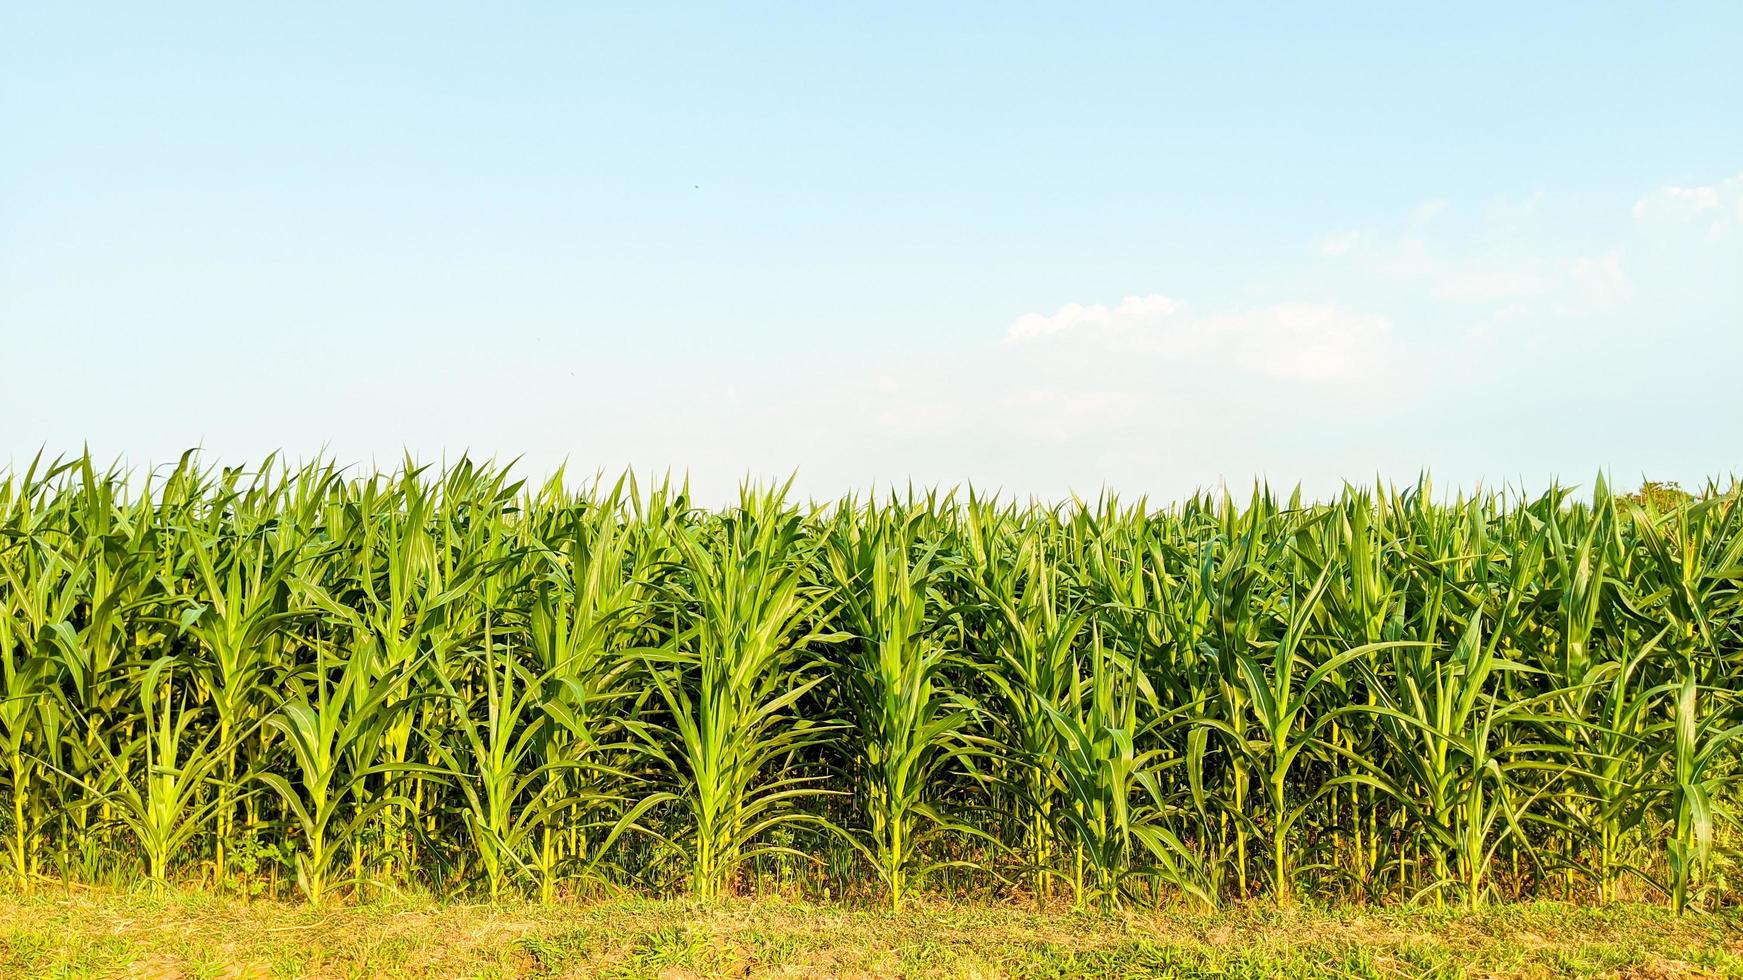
[
  {"x": 1295, "y": 341},
  {"x": 1132, "y": 311},
  {"x": 1715, "y": 209},
  {"x": 1676, "y": 202}
]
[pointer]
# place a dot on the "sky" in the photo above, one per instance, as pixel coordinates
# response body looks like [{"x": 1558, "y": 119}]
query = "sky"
[{"x": 1040, "y": 248}]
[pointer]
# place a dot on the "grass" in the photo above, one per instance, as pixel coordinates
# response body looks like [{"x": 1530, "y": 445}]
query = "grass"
[{"x": 98, "y": 933}]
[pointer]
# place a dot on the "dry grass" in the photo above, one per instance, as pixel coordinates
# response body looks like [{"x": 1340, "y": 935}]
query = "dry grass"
[{"x": 181, "y": 934}]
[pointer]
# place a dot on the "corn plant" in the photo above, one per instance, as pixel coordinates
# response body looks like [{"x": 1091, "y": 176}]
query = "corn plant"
[
  {"x": 729, "y": 678},
  {"x": 905, "y": 721}
]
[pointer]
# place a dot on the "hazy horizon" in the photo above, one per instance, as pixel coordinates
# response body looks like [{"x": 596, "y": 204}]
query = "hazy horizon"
[{"x": 574, "y": 478}]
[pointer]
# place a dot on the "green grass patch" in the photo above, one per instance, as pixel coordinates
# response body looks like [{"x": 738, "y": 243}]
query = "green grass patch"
[{"x": 182, "y": 934}]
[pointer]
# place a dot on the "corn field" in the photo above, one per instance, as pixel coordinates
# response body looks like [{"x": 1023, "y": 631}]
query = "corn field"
[{"x": 301, "y": 680}]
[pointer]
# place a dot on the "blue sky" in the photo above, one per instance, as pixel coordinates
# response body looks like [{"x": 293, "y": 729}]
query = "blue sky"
[{"x": 1044, "y": 248}]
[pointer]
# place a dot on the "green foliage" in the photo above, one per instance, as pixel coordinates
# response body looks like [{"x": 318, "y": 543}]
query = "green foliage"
[{"x": 451, "y": 682}]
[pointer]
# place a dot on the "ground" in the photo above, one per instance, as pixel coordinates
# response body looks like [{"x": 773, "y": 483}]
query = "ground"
[{"x": 179, "y": 934}]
